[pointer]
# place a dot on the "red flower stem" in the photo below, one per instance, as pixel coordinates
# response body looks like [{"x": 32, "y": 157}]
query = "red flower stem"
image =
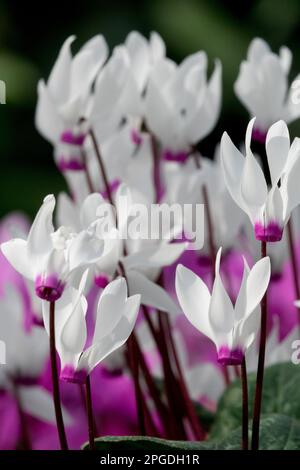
[
  {"x": 134, "y": 367},
  {"x": 102, "y": 168},
  {"x": 294, "y": 263},
  {"x": 189, "y": 406},
  {"x": 156, "y": 168},
  {"x": 160, "y": 406},
  {"x": 245, "y": 418},
  {"x": 261, "y": 364},
  {"x": 86, "y": 171},
  {"x": 175, "y": 400},
  {"x": 55, "y": 382},
  {"x": 89, "y": 409}
]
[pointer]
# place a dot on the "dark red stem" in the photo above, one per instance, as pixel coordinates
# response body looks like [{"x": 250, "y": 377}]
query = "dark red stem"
[
  {"x": 294, "y": 263},
  {"x": 89, "y": 409},
  {"x": 245, "y": 413},
  {"x": 261, "y": 365},
  {"x": 55, "y": 382}
]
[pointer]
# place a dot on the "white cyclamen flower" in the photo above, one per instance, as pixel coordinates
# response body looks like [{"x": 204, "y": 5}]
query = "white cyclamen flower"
[
  {"x": 231, "y": 328},
  {"x": 115, "y": 319},
  {"x": 268, "y": 209},
  {"x": 181, "y": 106},
  {"x": 48, "y": 257},
  {"x": 64, "y": 102},
  {"x": 262, "y": 86}
]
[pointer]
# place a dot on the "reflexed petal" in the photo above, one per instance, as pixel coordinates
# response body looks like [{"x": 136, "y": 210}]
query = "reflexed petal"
[
  {"x": 277, "y": 148},
  {"x": 15, "y": 251},
  {"x": 111, "y": 307},
  {"x": 241, "y": 301},
  {"x": 47, "y": 119},
  {"x": 257, "y": 50},
  {"x": 194, "y": 298},
  {"x": 59, "y": 79},
  {"x": 221, "y": 313},
  {"x": 67, "y": 212},
  {"x": 89, "y": 208},
  {"x": 233, "y": 163},
  {"x": 151, "y": 294},
  {"x": 257, "y": 283},
  {"x": 39, "y": 240},
  {"x": 83, "y": 250},
  {"x": 37, "y": 402},
  {"x": 118, "y": 336}
]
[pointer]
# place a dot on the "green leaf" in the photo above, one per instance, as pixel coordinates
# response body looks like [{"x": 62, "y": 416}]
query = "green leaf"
[
  {"x": 280, "y": 396},
  {"x": 151, "y": 444},
  {"x": 277, "y": 432}
]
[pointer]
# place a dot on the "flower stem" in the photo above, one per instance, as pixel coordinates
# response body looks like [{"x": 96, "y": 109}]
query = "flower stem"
[
  {"x": 154, "y": 392},
  {"x": 89, "y": 408},
  {"x": 55, "y": 382},
  {"x": 102, "y": 168},
  {"x": 134, "y": 366},
  {"x": 245, "y": 419},
  {"x": 261, "y": 364},
  {"x": 294, "y": 264},
  {"x": 86, "y": 171},
  {"x": 188, "y": 404}
]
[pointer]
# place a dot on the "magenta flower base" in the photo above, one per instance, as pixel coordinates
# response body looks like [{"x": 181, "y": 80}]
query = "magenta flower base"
[
  {"x": 179, "y": 157},
  {"x": 259, "y": 136},
  {"x": 270, "y": 233},
  {"x": 69, "y": 374},
  {"x": 230, "y": 357},
  {"x": 49, "y": 288},
  {"x": 68, "y": 137},
  {"x": 101, "y": 281}
]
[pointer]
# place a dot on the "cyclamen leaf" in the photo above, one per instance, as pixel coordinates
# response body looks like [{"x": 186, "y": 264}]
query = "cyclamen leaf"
[{"x": 280, "y": 395}]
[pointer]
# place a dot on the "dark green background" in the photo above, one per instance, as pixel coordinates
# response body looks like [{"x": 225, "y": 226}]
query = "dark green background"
[{"x": 31, "y": 35}]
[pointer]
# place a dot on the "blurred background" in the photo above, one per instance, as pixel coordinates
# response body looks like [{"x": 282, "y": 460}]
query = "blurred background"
[{"x": 32, "y": 33}]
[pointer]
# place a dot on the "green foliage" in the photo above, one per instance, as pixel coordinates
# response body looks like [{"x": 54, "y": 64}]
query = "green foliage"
[
  {"x": 280, "y": 395},
  {"x": 280, "y": 421}
]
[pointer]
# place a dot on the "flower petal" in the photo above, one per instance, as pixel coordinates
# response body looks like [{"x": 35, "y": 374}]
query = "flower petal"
[{"x": 194, "y": 298}]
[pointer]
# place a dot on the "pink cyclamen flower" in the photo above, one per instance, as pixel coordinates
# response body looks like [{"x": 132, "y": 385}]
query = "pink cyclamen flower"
[
  {"x": 50, "y": 258},
  {"x": 268, "y": 209},
  {"x": 231, "y": 328},
  {"x": 116, "y": 317}
]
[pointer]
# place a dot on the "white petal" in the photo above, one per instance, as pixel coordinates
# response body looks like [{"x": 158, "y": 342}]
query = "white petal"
[
  {"x": 221, "y": 313},
  {"x": 110, "y": 308},
  {"x": 253, "y": 186},
  {"x": 277, "y": 148},
  {"x": 257, "y": 50},
  {"x": 233, "y": 164},
  {"x": 67, "y": 213},
  {"x": 59, "y": 79},
  {"x": 241, "y": 301},
  {"x": 47, "y": 119},
  {"x": 257, "y": 283},
  {"x": 155, "y": 257},
  {"x": 38, "y": 403},
  {"x": 151, "y": 294},
  {"x": 15, "y": 251},
  {"x": 194, "y": 298},
  {"x": 84, "y": 249},
  {"x": 208, "y": 113},
  {"x": 118, "y": 336},
  {"x": 39, "y": 240},
  {"x": 89, "y": 208}
]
